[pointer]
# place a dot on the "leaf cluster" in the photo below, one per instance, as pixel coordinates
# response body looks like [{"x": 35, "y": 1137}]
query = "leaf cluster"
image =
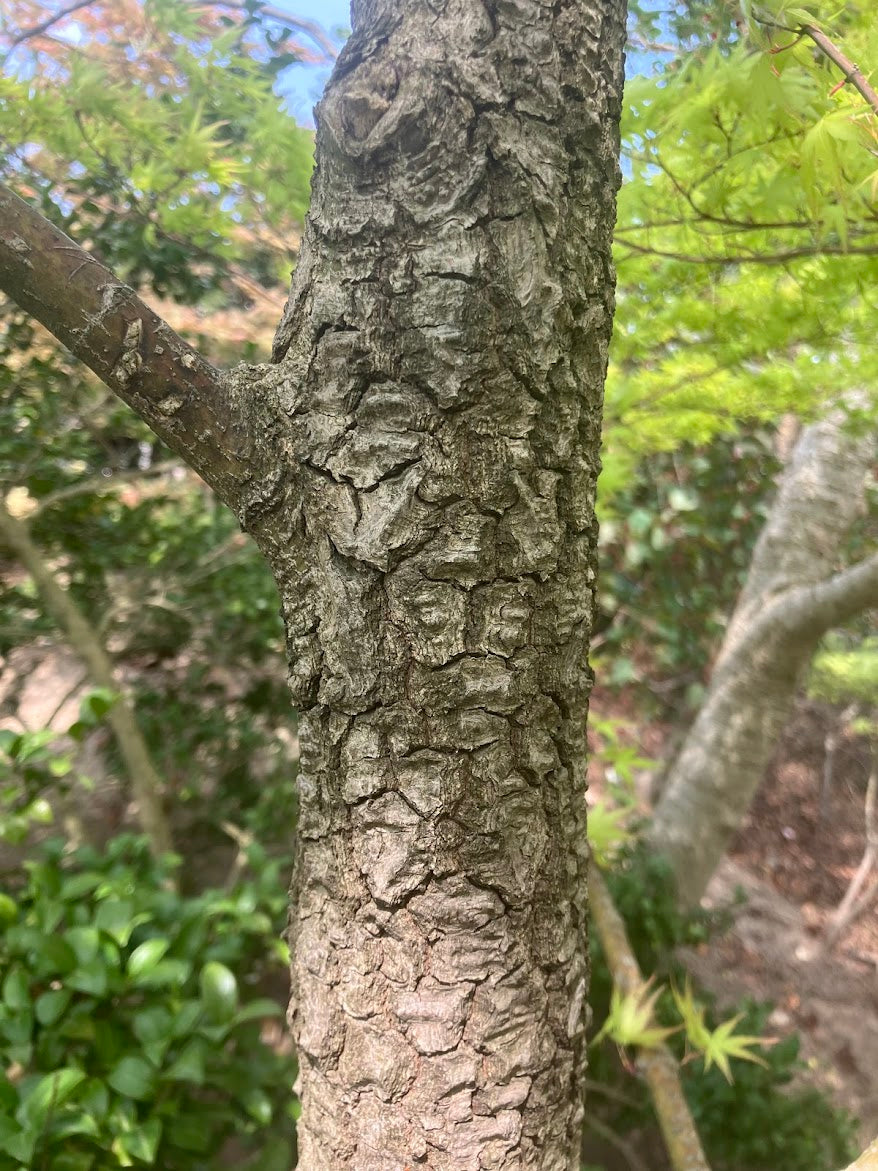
[{"x": 130, "y": 1033}]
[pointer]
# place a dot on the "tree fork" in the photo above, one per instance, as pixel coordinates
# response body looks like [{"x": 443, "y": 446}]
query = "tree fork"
[{"x": 104, "y": 323}]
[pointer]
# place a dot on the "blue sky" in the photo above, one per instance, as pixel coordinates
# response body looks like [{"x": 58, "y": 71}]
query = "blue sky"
[{"x": 302, "y": 86}]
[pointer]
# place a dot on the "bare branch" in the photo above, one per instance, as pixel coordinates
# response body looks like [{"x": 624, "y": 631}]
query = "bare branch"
[
  {"x": 146, "y": 783},
  {"x": 826, "y": 604},
  {"x": 780, "y": 257},
  {"x": 296, "y": 23},
  {"x": 103, "y": 322},
  {"x": 657, "y": 1065},
  {"x": 98, "y": 484},
  {"x": 43, "y": 26}
]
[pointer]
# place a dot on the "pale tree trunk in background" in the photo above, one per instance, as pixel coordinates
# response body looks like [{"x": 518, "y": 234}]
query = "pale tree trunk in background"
[
  {"x": 791, "y": 598},
  {"x": 419, "y": 469}
]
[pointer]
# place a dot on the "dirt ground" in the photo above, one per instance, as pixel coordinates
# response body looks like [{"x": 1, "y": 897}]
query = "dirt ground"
[{"x": 793, "y": 866}]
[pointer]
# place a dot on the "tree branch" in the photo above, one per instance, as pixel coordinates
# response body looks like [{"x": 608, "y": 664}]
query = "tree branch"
[
  {"x": 756, "y": 257},
  {"x": 99, "y": 484},
  {"x": 828, "y": 603},
  {"x": 852, "y": 72},
  {"x": 146, "y": 783},
  {"x": 805, "y": 611},
  {"x": 657, "y": 1065},
  {"x": 186, "y": 401},
  {"x": 310, "y": 28},
  {"x": 37, "y": 29}
]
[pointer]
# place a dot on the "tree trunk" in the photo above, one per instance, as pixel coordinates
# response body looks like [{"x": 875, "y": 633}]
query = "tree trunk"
[
  {"x": 443, "y": 353},
  {"x": 790, "y": 599},
  {"x": 419, "y": 469}
]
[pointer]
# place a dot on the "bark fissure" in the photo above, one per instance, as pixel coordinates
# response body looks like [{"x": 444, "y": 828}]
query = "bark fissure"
[{"x": 440, "y": 365}]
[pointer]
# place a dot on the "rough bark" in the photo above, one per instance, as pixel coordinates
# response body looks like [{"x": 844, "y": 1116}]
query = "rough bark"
[
  {"x": 791, "y": 598},
  {"x": 429, "y": 445},
  {"x": 105, "y": 324},
  {"x": 442, "y": 357}
]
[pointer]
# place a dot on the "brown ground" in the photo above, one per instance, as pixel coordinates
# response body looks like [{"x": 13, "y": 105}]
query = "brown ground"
[{"x": 794, "y": 867}]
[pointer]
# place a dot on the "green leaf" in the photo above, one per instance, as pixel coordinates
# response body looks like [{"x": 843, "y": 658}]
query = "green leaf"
[
  {"x": 166, "y": 974},
  {"x": 90, "y": 978},
  {"x": 139, "y": 1145},
  {"x": 189, "y": 1066},
  {"x": 17, "y": 1143},
  {"x": 16, "y": 989},
  {"x": 96, "y": 704},
  {"x": 117, "y": 918},
  {"x": 134, "y": 1078},
  {"x": 85, "y": 942},
  {"x": 153, "y": 1024},
  {"x": 258, "y": 1105},
  {"x": 219, "y": 990},
  {"x": 47, "y": 1094},
  {"x": 146, "y": 957},
  {"x": 56, "y": 955},
  {"x": 8, "y": 909},
  {"x": 77, "y": 885},
  {"x": 51, "y": 1005},
  {"x": 257, "y": 1010},
  {"x": 630, "y": 1020}
]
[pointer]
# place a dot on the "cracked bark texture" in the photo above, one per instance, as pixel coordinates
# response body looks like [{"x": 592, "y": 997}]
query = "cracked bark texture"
[
  {"x": 792, "y": 596},
  {"x": 418, "y": 468},
  {"x": 440, "y": 371}
]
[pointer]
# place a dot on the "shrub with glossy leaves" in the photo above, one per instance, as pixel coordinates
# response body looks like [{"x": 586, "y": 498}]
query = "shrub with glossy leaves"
[{"x": 131, "y": 1032}]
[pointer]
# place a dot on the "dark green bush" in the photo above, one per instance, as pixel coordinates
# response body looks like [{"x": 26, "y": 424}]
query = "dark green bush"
[
  {"x": 131, "y": 1032},
  {"x": 760, "y": 1122}
]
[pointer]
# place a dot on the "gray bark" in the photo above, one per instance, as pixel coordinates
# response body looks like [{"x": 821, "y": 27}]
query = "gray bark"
[
  {"x": 442, "y": 357},
  {"x": 419, "y": 470},
  {"x": 791, "y": 598}
]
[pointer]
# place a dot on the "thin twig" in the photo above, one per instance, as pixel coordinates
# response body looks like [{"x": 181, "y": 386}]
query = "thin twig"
[
  {"x": 628, "y": 1153},
  {"x": 146, "y": 783},
  {"x": 37, "y": 29},
  {"x": 852, "y": 73},
  {"x": 296, "y": 23},
  {"x": 96, "y": 484},
  {"x": 853, "y": 904},
  {"x": 755, "y": 257}
]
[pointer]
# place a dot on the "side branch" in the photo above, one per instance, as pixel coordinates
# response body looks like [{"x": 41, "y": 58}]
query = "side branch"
[
  {"x": 814, "y": 609},
  {"x": 103, "y": 322},
  {"x": 852, "y": 73}
]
